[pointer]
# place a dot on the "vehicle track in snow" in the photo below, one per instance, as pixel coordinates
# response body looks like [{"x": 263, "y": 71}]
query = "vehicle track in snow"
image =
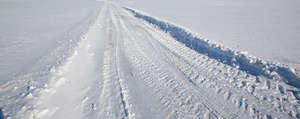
[
  {"x": 112, "y": 102},
  {"x": 126, "y": 68},
  {"x": 246, "y": 95}
]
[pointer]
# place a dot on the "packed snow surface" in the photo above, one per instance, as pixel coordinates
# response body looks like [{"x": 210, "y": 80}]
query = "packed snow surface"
[
  {"x": 76, "y": 59},
  {"x": 264, "y": 28}
]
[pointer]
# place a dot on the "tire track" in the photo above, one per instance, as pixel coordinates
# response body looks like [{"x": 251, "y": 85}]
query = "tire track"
[
  {"x": 113, "y": 82},
  {"x": 197, "y": 67},
  {"x": 244, "y": 93},
  {"x": 167, "y": 78}
]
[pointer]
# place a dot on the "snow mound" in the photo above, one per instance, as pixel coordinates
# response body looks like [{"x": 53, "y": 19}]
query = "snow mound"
[{"x": 250, "y": 64}]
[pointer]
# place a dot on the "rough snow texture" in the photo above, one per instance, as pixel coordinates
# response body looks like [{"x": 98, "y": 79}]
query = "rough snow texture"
[
  {"x": 117, "y": 66},
  {"x": 268, "y": 29},
  {"x": 36, "y": 37},
  {"x": 251, "y": 65}
]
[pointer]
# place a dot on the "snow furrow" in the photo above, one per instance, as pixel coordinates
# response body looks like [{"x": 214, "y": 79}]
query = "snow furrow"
[
  {"x": 251, "y": 65},
  {"x": 154, "y": 70},
  {"x": 114, "y": 84},
  {"x": 249, "y": 98},
  {"x": 36, "y": 78},
  {"x": 207, "y": 72},
  {"x": 133, "y": 66}
]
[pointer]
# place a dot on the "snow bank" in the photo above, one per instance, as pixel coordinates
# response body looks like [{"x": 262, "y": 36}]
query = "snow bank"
[
  {"x": 241, "y": 60},
  {"x": 35, "y": 38},
  {"x": 268, "y": 29}
]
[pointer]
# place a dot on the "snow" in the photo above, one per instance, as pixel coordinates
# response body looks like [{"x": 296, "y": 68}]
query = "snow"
[
  {"x": 35, "y": 27},
  {"x": 240, "y": 60},
  {"x": 103, "y": 59},
  {"x": 265, "y": 28},
  {"x": 35, "y": 37}
]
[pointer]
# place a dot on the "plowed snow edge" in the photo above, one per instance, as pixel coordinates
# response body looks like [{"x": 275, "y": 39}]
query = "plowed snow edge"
[{"x": 241, "y": 60}]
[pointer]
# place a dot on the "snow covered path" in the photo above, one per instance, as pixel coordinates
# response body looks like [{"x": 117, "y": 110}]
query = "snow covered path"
[{"x": 126, "y": 68}]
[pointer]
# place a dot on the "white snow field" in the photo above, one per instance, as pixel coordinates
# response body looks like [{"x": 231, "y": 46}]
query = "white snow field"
[
  {"x": 76, "y": 59},
  {"x": 264, "y": 28}
]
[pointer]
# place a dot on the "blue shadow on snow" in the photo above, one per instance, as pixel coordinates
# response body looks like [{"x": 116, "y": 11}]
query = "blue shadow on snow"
[{"x": 229, "y": 57}]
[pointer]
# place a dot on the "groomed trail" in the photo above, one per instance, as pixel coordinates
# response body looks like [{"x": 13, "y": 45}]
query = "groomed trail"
[{"x": 126, "y": 68}]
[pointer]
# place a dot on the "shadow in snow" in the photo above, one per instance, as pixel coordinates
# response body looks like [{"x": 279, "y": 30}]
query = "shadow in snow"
[{"x": 253, "y": 66}]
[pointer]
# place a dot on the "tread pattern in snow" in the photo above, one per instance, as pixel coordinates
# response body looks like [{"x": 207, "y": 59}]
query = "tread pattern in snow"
[{"x": 253, "y": 66}]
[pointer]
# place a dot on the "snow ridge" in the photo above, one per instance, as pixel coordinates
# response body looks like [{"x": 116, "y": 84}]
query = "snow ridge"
[
  {"x": 21, "y": 86},
  {"x": 241, "y": 60}
]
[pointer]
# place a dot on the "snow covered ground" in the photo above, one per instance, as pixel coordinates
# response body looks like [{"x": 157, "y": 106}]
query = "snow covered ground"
[
  {"x": 35, "y": 37},
  {"x": 264, "y": 28},
  {"x": 30, "y": 29},
  {"x": 106, "y": 59}
]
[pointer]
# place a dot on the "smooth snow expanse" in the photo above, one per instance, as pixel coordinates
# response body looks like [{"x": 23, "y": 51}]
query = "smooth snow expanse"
[
  {"x": 77, "y": 59},
  {"x": 265, "y": 28}
]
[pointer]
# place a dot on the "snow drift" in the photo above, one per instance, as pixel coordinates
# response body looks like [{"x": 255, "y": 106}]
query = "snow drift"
[{"x": 241, "y": 60}]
